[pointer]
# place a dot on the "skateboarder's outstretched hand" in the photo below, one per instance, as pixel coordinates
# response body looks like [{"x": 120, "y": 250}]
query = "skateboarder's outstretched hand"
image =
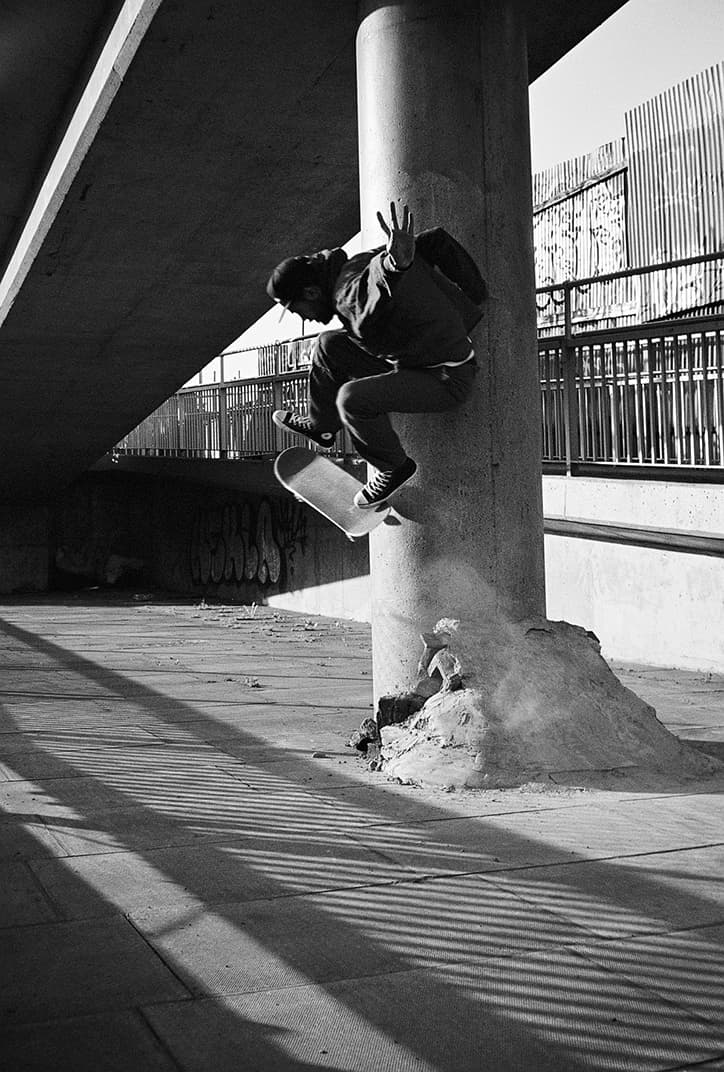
[{"x": 400, "y": 237}]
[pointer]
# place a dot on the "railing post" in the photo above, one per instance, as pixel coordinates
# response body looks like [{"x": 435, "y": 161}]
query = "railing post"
[
  {"x": 569, "y": 384},
  {"x": 223, "y": 430},
  {"x": 181, "y": 410},
  {"x": 277, "y": 403}
]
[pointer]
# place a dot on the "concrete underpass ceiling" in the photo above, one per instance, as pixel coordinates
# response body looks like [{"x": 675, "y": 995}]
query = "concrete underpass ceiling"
[{"x": 230, "y": 143}]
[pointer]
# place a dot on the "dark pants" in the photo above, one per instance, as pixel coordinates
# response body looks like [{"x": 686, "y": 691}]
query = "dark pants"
[{"x": 348, "y": 387}]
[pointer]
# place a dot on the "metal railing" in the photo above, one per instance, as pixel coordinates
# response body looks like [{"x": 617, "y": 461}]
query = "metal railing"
[
  {"x": 224, "y": 421},
  {"x": 647, "y": 397},
  {"x": 642, "y": 396}
]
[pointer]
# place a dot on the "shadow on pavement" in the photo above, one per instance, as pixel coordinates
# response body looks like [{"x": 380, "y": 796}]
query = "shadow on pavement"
[{"x": 298, "y": 924}]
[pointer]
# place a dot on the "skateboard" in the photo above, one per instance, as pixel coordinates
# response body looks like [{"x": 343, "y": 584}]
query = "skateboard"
[{"x": 328, "y": 488}]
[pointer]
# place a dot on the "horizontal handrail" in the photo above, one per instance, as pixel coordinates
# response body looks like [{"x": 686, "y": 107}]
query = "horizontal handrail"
[
  {"x": 278, "y": 377},
  {"x": 630, "y": 273},
  {"x": 693, "y": 543},
  {"x": 653, "y": 329}
]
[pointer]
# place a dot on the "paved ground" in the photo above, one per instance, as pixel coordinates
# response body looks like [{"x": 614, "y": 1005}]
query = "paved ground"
[{"x": 199, "y": 875}]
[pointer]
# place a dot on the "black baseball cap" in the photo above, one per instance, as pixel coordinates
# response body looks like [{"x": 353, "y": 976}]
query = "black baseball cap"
[{"x": 289, "y": 278}]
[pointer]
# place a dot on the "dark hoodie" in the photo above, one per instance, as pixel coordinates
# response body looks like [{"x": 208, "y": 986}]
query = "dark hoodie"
[{"x": 419, "y": 316}]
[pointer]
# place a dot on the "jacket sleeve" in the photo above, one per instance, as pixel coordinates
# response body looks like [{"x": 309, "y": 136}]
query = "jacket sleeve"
[
  {"x": 365, "y": 291},
  {"x": 445, "y": 253}
]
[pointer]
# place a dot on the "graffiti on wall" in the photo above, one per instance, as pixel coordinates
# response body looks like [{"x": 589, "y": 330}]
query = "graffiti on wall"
[
  {"x": 240, "y": 543},
  {"x": 583, "y": 235},
  {"x": 580, "y": 236}
]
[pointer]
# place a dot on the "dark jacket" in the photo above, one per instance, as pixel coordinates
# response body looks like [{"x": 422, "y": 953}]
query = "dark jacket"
[{"x": 419, "y": 316}]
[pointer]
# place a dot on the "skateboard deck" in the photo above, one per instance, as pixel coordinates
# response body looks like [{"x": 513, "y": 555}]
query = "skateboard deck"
[{"x": 328, "y": 488}]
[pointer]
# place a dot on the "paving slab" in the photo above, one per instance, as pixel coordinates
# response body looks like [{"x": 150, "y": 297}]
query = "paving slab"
[
  {"x": 56, "y": 970},
  {"x": 323, "y": 769},
  {"x": 598, "y": 830},
  {"x": 36, "y": 766},
  {"x": 675, "y": 694},
  {"x": 112, "y": 1042},
  {"x": 249, "y": 869},
  {"x": 301, "y": 730},
  {"x": 617, "y": 898},
  {"x": 22, "y": 899},
  {"x": 520, "y": 839},
  {"x": 686, "y": 967},
  {"x": 551, "y": 1012},
  {"x": 185, "y": 870},
  {"x": 384, "y": 803},
  {"x": 26, "y": 839},
  {"x": 133, "y": 828},
  {"x": 457, "y": 845},
  {"x": 705, "y": 1066},
  {"x": 682, "y": 817},
  {"x": 349, "y": 933}
]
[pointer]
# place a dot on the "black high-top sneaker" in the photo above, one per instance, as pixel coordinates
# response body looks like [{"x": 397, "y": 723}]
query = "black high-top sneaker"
[
  {"x": 303, "y": 426},
  {"x": 383, "y": 484}
]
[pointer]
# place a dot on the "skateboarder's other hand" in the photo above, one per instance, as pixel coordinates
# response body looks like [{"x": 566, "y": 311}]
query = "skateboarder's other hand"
[{"x": 400, "y": 237}]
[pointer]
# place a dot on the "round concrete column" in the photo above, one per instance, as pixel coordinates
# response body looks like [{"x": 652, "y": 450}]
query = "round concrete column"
[{"x": 443, "y": 123}]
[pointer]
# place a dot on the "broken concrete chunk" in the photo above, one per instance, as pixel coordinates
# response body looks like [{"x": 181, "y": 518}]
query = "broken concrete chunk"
[
  {"x": 395, "y": 709},
  {"x": 431, "y": 643},
  {"x": 449, "y": 668},
  {"x": 366, "y": 735}
]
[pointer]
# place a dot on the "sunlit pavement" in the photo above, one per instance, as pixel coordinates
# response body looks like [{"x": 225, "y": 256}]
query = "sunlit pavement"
[{"x": 199, "y": 874}]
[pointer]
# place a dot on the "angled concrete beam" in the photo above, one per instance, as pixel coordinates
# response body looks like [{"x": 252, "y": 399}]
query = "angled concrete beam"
[{"x": 120, "y": 47}]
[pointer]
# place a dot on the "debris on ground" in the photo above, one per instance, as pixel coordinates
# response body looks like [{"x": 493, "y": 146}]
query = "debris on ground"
[{"x": 366, "y": 735}]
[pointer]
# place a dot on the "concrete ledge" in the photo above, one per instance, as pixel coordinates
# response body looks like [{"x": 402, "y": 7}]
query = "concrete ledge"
[{"x": 696, "y": 543}]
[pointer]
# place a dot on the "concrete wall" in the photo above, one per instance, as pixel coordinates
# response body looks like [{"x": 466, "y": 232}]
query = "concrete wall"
[
  {"x": 263, "y": 548},
  {"x": 645, "y": 605},
  {"x": 665, "y": 608},
  {"x": 24, "y": 540},
  {"x": 102, "y": 533},
  {"x": 217, "y": 543}
]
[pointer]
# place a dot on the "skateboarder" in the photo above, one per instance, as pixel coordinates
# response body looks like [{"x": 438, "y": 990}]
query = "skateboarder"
[{"x": 406, "y": 310}]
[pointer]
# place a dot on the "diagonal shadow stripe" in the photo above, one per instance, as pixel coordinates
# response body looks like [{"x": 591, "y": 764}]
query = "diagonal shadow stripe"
[{"x": 298, "y": 902}]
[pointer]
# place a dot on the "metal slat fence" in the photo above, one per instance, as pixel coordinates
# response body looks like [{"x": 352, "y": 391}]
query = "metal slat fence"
[
  {"x": 640, "y": 397},
  {"x": 646, "y": 395},
  {"x": 223, "y": 421}
]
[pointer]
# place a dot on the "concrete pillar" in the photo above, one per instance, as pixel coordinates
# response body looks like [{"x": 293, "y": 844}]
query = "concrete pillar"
[{"x": 443, "y": 123}]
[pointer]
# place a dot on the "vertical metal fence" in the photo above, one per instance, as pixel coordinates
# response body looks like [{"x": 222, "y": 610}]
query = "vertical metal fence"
[
  {"x": 635, "y": 395},
  {"x": 642, "y": 396},
  {"x": 229, "y": 420}
]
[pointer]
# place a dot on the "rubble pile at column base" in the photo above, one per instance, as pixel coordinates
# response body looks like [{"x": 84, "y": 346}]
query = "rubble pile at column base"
[{"x": 530, "y": 700}]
